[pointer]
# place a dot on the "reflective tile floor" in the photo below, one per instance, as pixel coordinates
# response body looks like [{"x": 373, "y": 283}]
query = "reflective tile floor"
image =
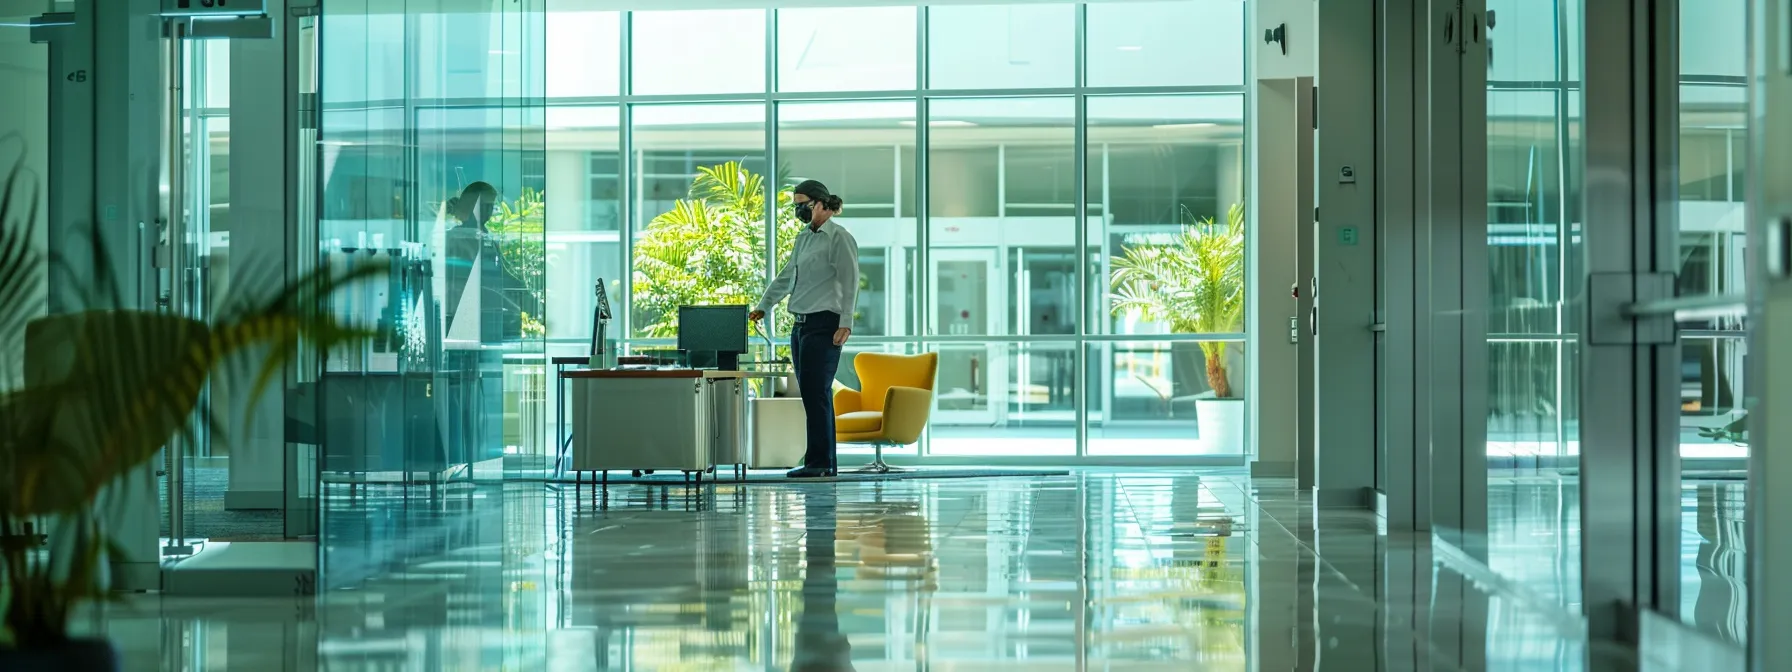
[
  {"x": 1099, "y": 570},
  {"x": 1533, "y": 543}
]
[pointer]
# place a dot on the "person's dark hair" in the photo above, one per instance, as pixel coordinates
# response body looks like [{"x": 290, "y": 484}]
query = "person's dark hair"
[
  {"x": 475, "y": 204},
  {"x": 818, "y": 191}
]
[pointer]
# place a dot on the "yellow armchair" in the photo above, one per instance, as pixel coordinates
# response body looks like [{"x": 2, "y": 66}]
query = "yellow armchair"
[{"x": 893, "y": 406}]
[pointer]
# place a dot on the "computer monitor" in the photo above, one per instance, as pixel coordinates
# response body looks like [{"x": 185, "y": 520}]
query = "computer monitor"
[{"x": 713, "y": 331}]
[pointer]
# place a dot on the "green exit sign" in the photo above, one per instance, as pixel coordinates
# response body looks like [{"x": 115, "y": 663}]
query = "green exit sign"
[{"x": 1347, "y": 235}]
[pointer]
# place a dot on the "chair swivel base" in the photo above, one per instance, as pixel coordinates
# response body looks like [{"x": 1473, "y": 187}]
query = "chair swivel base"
[{"x": 878, "y": 465}]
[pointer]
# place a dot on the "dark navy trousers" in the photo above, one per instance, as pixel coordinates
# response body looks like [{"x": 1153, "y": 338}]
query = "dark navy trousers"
[{"x": 817, "y": 359}]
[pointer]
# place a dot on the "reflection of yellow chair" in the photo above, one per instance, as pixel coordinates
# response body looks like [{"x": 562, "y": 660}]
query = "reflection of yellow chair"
[{"x": 892, "y": 407}]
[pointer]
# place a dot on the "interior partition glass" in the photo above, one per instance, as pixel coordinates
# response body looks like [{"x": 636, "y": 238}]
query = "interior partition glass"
[
  {"x": 432, "y": 168},
  {"x": 1714, "y": 441},
  {"x": 1002, "y": 259}
]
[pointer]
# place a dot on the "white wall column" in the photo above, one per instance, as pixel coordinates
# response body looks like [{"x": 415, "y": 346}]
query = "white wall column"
[
  {"x": 1282, "y": 209},
  {"x": 1344, "y": 243},
  {"x": 124, "y": 151},
  {"x": 1279, "y": 208}
]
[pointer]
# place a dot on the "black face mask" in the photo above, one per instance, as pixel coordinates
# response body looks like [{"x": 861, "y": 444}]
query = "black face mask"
[{"x": 805, "y": 211}]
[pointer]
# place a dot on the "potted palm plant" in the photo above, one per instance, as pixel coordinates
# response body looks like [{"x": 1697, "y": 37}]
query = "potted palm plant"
[
  {"x": 101, "y": 390},
  {"x": 1194, "y": 284}
]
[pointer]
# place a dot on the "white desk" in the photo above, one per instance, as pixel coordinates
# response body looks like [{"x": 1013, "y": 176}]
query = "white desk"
[{"x": 664, "y": 419}]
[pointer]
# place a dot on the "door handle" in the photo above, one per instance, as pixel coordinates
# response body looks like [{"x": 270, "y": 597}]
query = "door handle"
[{"x": 1779, "y": 248}]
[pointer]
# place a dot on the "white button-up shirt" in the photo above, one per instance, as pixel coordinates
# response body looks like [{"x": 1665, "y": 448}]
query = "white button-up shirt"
[{"x": 822, "y": 274}]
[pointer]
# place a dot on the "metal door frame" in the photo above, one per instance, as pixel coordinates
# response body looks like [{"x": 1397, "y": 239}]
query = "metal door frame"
[
  {"x": 1770, "y": 309},
  {"x": 1630, "y": 353}
]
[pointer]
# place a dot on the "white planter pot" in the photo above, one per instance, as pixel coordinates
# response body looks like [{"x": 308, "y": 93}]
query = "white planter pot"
[{"x": 1220, "y": 423}]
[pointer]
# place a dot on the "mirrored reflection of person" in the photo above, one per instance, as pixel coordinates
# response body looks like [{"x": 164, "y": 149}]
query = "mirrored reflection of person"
[
  {"x": 473, "y": 314},
  {"x": 820, "y": 646},
  {"x": 462, "y": 242},
  {"x": 822, "y": 281}
]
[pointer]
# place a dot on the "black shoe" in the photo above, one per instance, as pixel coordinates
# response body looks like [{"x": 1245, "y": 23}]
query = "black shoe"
[{"x": 809, "y": 472}]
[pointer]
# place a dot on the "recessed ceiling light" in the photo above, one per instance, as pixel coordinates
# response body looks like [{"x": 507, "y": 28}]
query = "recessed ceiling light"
[
  {"x": 1130, "y": 47},
  {"x": 1194, "y": 125},
  {"x": 940, "y": 123}
]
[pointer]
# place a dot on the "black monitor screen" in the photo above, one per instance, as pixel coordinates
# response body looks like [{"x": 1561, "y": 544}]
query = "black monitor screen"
[{"x": 712, "y": 328}]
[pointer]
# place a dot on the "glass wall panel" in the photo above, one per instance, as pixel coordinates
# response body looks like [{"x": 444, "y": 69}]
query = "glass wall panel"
[
  {"x": 586, "y": 47},
  {"x": 698, "y": 51},
  {"x": 846, "y": 49},
  {"x": 1714, "y": 441},
  {"x": 699, "y": 176},
  {"x": 1001, "y": 46},
  {"x": 682, "y": 217},
  {"x": 865, "y": 153},
  {"x": 369, "y": 64},
  {"x": 584, "y": 220},
  {"x": 1179, "y": 43},
  {"x": 1534, "y": 276},
  {"x": 1165, "y": 190},
  {"x": 440, "y": 184},
  {"x": 1154, "y": 398},
  {"x": 1005, "y": 398},
  {"x": 1002, "y": 259}
]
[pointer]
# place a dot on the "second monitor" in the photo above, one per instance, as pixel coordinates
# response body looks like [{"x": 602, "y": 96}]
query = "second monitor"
[{"x": 713, "y": 335}]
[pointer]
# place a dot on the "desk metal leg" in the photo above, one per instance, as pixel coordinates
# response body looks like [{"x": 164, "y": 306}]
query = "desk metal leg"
[{"x": 563, "y": 438}]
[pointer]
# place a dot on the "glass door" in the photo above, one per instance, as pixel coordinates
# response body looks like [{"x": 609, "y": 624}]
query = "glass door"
[
  {"x": 1044, "y": 387},
  {"x": 966, "y": 289},
  {"x": 183, "y": 279}
]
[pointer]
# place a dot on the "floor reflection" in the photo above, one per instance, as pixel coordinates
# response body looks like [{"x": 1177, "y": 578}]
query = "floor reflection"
[
  {"x": 1534, "y": 542},
  {"x": 1100, "y": 570}
]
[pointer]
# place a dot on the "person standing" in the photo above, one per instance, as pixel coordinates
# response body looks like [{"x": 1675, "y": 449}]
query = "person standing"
[{"x": 822, "y": 281}]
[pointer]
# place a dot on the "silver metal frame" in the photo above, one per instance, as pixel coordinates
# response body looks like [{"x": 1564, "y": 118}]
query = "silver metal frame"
[
  {"x": 1630, "y": 471},
  {"x": 1404, "y": 475},
  {"x": 1769, "y": 219}
]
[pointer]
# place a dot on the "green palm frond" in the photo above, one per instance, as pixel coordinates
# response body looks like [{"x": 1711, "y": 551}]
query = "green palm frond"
[
  {"x": 709, "y": 248},
  {"x": 520, "y": 230}
]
